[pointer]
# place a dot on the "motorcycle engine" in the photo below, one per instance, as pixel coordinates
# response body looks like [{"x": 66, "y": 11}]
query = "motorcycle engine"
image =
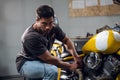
[
  {"x": 92, "y": 60},
  {"x": 111, "y": 66},
  {"x": 100, "y": 67}
]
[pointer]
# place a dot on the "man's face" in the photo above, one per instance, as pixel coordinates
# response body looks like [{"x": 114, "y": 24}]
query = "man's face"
[{"x": 45, "y": 24}]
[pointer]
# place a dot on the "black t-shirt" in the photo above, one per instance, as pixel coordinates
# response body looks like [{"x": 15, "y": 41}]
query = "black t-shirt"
[{"x": 35, "y": 43}]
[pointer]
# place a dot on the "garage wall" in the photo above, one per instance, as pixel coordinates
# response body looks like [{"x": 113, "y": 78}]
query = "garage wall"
[{"x": 81, "y": 25}]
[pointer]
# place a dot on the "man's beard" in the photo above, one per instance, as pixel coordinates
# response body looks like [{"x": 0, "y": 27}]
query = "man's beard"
[{"x": 44, "y": 31}]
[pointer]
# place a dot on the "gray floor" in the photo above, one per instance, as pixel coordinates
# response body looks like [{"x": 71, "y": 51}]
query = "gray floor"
[{"x": 15, "y": 77}]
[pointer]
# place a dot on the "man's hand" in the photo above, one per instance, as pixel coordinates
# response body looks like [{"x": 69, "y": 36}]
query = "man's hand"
[
  {"x": 79, "y": 61},
  {"x": 73, "y": 66}
]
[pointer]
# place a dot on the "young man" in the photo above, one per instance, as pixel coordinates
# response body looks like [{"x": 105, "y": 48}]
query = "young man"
[{"x": 35, "y": 61}]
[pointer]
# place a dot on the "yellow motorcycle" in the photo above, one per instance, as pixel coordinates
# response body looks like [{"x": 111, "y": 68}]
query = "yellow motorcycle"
[{"x": 101, "y": 58}]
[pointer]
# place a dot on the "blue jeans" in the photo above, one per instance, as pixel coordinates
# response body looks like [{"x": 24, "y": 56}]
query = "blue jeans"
[{"x": 38, "y": 69}]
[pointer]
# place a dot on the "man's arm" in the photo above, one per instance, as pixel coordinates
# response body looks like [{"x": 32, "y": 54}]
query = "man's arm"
[
  {"x": 72, "y": 50},
  {"x": 70, "y": 46},
  {"x": 48, "y": 58}
]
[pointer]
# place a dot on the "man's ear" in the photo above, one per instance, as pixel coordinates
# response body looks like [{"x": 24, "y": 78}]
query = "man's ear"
[{"x": 37, "y": 18}]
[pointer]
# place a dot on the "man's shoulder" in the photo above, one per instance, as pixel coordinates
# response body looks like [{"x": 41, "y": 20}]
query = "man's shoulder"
[
  {"x": 56, "y": 28},
  {"x": 29, "y": 33}
]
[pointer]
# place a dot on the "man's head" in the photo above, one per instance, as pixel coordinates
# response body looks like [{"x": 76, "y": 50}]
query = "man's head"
[
  {"x": 45, "y": 18},
  {"x": 45, "y": 11}
]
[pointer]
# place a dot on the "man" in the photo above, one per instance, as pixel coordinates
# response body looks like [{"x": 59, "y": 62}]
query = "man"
[{"x": 35, "y": 60}]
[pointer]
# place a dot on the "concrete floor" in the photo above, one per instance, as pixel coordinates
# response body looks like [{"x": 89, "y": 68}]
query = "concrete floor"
[{"x": 15, "y": 77}]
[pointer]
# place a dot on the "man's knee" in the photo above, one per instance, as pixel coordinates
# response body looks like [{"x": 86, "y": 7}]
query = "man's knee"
[
  {"x": 54, "y": 72},
  {"x": 51, "y": 75}
]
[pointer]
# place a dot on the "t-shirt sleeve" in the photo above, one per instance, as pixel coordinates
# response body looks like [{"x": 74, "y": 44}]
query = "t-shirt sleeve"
[
  {"x": 34, "y": 46},
  {"x": 59, "y": 33}
]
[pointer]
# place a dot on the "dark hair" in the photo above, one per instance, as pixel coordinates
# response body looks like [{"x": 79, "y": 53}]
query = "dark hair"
[{"x": 45, "y": 11}]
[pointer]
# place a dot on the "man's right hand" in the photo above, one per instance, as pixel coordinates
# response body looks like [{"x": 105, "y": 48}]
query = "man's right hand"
[{"x": 73, "y": 66}]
